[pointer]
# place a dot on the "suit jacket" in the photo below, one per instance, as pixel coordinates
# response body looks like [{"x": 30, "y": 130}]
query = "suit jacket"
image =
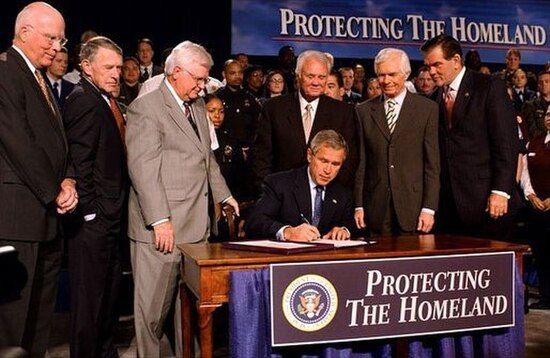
[
  {"x": 403, "y": 166},
  {"x": 157, "y": 70},
  {"x": 97, "y": 152},
  {"x": 170, "y": 168},
  {"x": 528, "y": 95},
  {"x": 480, "y": 152},
  {"x": 286, "y": 196},
  {"x": 66, "y": 89},
  {"x": 352, "y": 98},
  {"x": 33, "y": 154},
  {"x": 280, "y": 143}
]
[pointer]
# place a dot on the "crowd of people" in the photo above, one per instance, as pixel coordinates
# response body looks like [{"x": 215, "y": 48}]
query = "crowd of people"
[{"x": 123, "y": 157}]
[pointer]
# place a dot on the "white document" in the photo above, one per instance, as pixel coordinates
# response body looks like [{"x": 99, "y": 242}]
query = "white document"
[
  {"x": 341, "y": 243},
  {"x": 273, "y": 244}
]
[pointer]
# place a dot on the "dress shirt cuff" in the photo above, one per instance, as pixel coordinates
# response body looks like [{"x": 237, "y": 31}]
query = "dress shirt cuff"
[
  {"x": 359, "y": 208},
  {"x": 160, "y": 221},
  {"x": 227, "y": 199},
  {"x": 428, "y": 211},
  {"x": 346, "y": 229},
  {"x": 501, "y": 193},
  {"x": 280, "y": 234},
  {"x": 526, "y": 193}
]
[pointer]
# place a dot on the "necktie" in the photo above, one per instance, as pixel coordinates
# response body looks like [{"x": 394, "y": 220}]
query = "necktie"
[
  {"x": 189, "y": 115},
  {"x": 44, "y": 89},
  {"x": 449, "y": 103},
  {"x": 56, "y": 91},
  {"x": 391, "y": 115},
  {"x": 119, "y": 118},
  {"x": 520, "y": 94},
  {"x": 307, "y": 121},
  {"x": 145, "y": 74},
  {"x": 317, "y": 207}
]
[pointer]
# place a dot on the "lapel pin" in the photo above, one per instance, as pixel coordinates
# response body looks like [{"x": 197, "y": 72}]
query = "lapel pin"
[
  {"x": 334, "y": 201},
  {"x": 467, "y": 94}
]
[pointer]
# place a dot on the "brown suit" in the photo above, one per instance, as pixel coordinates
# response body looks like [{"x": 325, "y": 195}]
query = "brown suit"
[{"x": 401, "y": 169}]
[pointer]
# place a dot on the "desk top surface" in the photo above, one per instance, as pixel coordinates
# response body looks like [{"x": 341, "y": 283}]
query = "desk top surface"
[{"x": 396, "y": 246}]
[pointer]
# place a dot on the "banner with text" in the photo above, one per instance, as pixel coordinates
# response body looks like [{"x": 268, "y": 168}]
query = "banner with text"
[
  {"x": 324, "y": 302},
  {"x": 359, "y": 28}
]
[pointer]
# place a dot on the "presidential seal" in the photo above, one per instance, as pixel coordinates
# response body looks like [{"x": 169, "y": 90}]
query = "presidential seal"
[{"x": 310, "y": 303}]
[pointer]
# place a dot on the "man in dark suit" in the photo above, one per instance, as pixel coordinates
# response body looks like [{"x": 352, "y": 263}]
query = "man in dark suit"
[
  {"x": 288, "y": 122},
  {"x": 350, "y": 97},
  {"x": 305, "y": 204},
  {"x": 145, "y": 53},
  {"x": 95, "y": 140},
  {"x": 397, "y": 183},
  {"x": 60, "y": 87},
  {"x": 35, "y": 184},
  {"x": 478, "y": 142}
]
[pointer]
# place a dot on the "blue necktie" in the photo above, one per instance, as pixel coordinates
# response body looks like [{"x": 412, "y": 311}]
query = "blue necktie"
[{"x": 317, "y": 207}]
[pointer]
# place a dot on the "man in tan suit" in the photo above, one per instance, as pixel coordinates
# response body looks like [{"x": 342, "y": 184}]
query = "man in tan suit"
[
  {"x": 171, "y": 167},
  {"x": 397, "y": 182}
]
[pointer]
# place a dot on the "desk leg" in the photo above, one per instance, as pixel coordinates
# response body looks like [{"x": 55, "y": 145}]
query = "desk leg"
[
  {"x": 187, "y": 333},
  {"x": 205, "y": 327}
]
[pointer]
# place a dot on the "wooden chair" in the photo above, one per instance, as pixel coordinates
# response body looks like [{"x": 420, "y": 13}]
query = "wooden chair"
[{"x": 236, "y": 223}]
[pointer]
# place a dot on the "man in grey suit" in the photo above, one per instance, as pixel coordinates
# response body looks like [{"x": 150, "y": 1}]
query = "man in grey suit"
[
  {"x": 171, "y": 167},
  {"x": 397, "y": 182}
]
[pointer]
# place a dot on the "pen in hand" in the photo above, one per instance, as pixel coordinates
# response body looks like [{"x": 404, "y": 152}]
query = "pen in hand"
[{"x": 306, "y": 221}]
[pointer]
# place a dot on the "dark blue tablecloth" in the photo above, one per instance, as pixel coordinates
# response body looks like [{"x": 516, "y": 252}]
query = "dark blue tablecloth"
[{"x": 249, "y": 325}]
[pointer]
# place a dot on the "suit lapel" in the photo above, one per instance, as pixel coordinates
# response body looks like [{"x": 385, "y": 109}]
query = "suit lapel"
[
  {"x": 437, "y": 96},
  {"x": 294, "y": 119},
  {"x": 378, "y": 114},
  {"x": 405, "y": 116},
  {"x": 176, "y": 114},
  {"x": 55, "y": 118},
  {"x": 463, "y": 97},
  {"x": 302, "y": 194},
  {"x": 330, "y": 204}
]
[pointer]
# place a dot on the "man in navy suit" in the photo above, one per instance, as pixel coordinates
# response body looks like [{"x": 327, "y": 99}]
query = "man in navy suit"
[
  {"x": 479, "y": 145},
  {"x": 95, "y": 137},
  {"x": 35, "y": 180},
  {"x": 306, "y": 203},
  {"x": 60, "y": 87}
]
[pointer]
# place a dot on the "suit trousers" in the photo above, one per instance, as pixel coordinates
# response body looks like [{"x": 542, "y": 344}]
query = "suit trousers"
[
  {"x": 95, "y": 276},
  {"x": 390, "y": 223},
  {"x": 27, "y": 306},
  {"x": 157, "y": 278}
]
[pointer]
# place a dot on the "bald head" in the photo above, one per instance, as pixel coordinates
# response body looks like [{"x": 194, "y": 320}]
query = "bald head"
[{"x": 39, "y": 33}]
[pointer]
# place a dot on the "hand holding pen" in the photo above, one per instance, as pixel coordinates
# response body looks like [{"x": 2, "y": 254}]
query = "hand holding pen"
[{"x": 302, "y": 233}]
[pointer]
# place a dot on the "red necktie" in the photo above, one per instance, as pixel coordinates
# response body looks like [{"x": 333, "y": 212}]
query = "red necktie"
[
  {"x": 449, "y": 103},
  {"x": 118, "y": 117}
]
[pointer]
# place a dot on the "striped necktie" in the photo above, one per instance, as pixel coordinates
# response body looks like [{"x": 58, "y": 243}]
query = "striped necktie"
[{"x": 391, "y": 115}]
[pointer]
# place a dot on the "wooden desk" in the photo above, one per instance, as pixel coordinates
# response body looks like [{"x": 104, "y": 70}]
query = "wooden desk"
[{"x": 206, "y": 268}]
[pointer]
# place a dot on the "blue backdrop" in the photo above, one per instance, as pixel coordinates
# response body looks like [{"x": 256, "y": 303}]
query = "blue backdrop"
[{"x": 360, "y": 28}]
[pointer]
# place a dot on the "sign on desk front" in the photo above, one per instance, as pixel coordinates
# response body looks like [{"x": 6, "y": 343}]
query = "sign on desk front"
[{"x": 322, "y": 302}]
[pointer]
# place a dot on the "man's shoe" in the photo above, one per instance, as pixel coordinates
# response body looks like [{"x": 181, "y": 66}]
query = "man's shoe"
[{"x": 539, "y": 306}]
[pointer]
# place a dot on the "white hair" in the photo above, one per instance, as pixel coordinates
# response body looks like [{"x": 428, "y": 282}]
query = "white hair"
[
  {"x": 186, "y": 54},
  {"x": 385, "y": 54}
]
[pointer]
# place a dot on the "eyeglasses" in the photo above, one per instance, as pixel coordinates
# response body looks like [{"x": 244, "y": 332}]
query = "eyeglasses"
[
  {"x": 275, "y": 80},
  {"x": 198, "y": 80},
  {"x": 51, "y": 39}
]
